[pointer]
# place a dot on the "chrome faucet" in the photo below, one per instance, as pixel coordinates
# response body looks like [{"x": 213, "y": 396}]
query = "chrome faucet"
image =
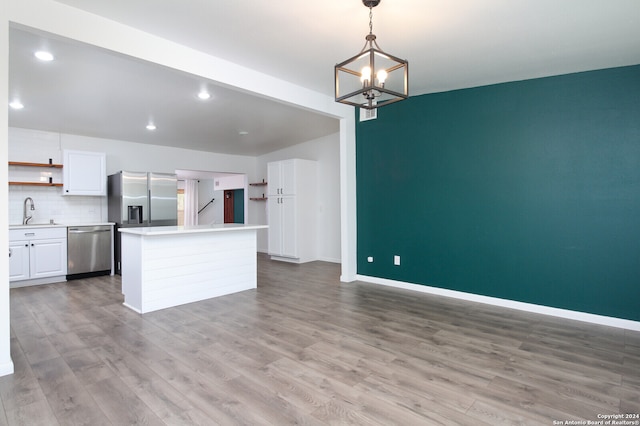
[{"x": 25, "y": 218}]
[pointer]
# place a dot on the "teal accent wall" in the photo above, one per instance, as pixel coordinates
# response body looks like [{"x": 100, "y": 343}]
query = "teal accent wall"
[
  {"x": 238, "y": 206},
  {"x": 528, "y": 191}
]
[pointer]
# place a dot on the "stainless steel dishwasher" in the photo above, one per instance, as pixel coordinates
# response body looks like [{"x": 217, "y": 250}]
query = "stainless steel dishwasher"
[{"x": 88, "y": 249}]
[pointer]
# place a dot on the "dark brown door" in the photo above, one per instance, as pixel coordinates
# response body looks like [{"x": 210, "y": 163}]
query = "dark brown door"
[{"x": 228, "y": 207}]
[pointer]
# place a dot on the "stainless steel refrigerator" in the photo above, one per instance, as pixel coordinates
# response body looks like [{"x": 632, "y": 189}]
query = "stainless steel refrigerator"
[{"x": 141, "y": 199}]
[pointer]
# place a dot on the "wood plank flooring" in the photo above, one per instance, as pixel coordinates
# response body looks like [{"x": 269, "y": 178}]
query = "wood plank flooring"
[{"x": 306, "y": 349}]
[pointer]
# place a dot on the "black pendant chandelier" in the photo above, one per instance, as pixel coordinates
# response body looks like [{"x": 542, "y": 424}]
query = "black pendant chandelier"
[{"x": 372, "y": 78}]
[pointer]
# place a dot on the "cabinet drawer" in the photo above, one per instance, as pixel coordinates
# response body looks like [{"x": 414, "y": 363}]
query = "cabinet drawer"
[{"x": 37, "y": 233}]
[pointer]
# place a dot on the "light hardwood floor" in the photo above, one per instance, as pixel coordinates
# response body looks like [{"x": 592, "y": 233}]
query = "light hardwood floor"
[{"x": 306, "y": 349}]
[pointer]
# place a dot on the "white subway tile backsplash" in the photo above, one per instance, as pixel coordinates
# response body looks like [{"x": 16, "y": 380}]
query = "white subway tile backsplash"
[{"x": 51, "y": 204}]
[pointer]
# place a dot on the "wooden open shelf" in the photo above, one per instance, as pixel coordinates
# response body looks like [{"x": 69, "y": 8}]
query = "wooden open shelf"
[
  {"x": 35, "y": 183},
  {"x": 258, "y": 184},
  {"x": 20, "y": 163},
  {"x": 43, "y": 165},
  {"x": 258, "y": 198}
]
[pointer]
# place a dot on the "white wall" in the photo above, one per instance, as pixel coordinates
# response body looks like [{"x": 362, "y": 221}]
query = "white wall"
[
  {"x": 230, "y": 182},
  {"x": 6, "y": 365},
  {"x": 214, "y": 213},
  {"x": 326, "y": 151},
  {"x": 37, "y": 146}
]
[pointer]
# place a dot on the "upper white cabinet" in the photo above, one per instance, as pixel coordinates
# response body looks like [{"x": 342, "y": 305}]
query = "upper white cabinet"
[
  {"x": 84, "y": 173},
  {"x": 282, "y": 176}
]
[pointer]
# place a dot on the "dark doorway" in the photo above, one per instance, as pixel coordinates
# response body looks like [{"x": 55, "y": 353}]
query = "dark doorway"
[
  {"x": 228, "y": 207},
  {"x": 234, "y": 206}
]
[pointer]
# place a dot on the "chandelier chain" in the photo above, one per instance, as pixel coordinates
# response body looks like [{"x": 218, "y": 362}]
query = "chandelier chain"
[{"x": 370, "y": 20}]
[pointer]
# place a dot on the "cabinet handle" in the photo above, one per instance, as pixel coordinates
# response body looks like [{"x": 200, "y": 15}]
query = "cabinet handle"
[
  {"x": 26, "y": 245},
  {"x": 10, "y": 252}
]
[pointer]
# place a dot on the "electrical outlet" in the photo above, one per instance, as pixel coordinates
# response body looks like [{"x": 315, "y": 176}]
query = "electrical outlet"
[
  {"x": 396, "y": 260},
  {"x": 370, "y": 259}
]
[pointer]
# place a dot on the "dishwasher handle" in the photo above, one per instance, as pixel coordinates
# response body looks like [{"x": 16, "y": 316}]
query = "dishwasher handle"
[{"x": 92, "y": 231}]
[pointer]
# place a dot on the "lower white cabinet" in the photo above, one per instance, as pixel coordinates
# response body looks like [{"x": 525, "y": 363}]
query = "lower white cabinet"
[
  {"x": 19, "y": 260},
  {"x": 283, "y": 238},
  {"x": 37, "y": 255}
]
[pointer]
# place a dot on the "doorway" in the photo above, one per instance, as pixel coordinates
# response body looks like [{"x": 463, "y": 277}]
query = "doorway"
[{"x": 234, "y": 206}]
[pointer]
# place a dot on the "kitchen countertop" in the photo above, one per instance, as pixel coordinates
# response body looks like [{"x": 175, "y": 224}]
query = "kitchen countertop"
[
  {"x": 169, "y": 230},
  {"x": 57, "y": 225}
]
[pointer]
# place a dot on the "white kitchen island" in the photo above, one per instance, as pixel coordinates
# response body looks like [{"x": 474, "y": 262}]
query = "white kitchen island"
[{"x": 166, "y": 266}]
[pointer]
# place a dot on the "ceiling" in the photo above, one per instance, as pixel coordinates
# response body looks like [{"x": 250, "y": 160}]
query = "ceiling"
[{"x": 450, "y": 44}]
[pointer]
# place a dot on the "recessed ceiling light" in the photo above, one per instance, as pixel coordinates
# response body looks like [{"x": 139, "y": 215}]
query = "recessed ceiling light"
[
  {"x": 243, "y": 132},
  {"x": 204, "y": 95},
  {"x": 151, "y": 126},
  {"x": 44, "y": 55},
  {"x": 16, "y": 104}
]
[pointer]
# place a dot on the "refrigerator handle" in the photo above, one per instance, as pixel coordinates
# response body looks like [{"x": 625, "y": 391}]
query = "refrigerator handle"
[{"x": 150, "y": 209}]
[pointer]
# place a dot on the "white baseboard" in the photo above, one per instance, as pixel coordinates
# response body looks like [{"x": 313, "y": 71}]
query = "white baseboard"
[
  {"x": 329, "y": 259},
  {"x": 6, "y": 369},
  {"x": 38, "y": 281},
  {"x": 505, "y": 303}
]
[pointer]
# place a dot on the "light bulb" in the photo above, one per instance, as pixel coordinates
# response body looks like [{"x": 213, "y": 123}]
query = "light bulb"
[
  {"x": 365, "y": 75},
  {"x": 382, "y": 76}
]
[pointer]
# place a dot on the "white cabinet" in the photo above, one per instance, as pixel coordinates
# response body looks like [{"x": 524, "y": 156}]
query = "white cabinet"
[
  {"x": 84, "y": 173},
  {"x": 19, "y": 260},
  {"x": 48, "y": 258},
  {"x": 292, "y": 210},
  {"x": 37, "y": 255},
  {"x": 282, "y": 239},
  {"x": 282, "y": 176}
]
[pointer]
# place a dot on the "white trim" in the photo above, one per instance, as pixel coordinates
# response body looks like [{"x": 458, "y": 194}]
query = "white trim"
[
  {"x": 505, "y": 303},
  {"x": 38, "y": 281},
  {"x": 329, "y": 259},
  {"x": 6, "y": 364},
  {"x": 348, "y": 219}
]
